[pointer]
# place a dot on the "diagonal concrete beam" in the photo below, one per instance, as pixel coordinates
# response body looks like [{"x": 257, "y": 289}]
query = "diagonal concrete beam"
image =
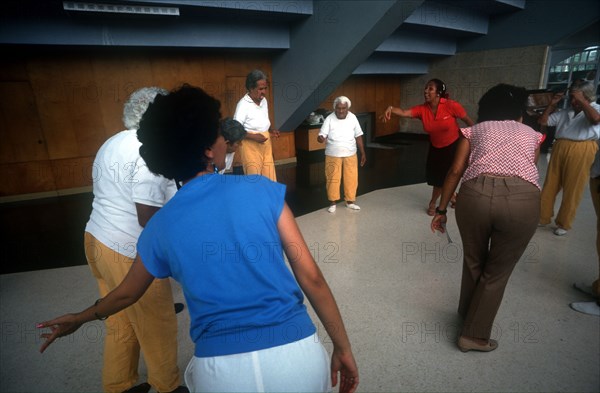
[{"x": 326, "y": 48}]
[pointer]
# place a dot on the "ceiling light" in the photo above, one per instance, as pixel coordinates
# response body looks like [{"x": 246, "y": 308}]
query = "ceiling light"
[{"x": 120, "y": 8}]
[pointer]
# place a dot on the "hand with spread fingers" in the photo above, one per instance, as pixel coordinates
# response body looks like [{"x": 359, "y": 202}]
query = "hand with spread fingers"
[{"x": 60, "y": 327}]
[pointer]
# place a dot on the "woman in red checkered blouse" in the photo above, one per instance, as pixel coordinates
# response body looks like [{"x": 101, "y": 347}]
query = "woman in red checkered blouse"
[{"x": 497, "y": 209}]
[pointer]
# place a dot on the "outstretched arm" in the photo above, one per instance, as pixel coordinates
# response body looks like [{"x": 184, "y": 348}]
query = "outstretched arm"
[
  {"x": 128, "y": 292},
  {"x": 387, "y": 115},
  {"x": 319, "y": 295}
]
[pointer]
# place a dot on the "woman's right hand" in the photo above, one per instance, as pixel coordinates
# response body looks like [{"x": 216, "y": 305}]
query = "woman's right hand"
[
  {"x": 61, "y": 326},
  {"x": 260, "y": 138},
  {"x": 345, "y": 364},
  {"x": 438, "y": 222},
  {"x": 387, "y": 115}
]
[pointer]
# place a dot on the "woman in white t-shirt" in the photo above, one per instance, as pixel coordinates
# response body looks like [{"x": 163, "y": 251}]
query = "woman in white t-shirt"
[
  {"x": 256, "y": 151},
  {"x": 343, "y": 134}
]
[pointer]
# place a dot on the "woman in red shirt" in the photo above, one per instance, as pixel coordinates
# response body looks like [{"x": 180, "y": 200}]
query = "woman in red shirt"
[{"x": 439, "y": 115}]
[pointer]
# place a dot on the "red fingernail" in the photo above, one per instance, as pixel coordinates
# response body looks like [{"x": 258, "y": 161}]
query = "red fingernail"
[{"x": 40, "y": 325}]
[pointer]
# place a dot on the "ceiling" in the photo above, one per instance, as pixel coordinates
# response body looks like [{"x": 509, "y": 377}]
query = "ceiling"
[{"x": 313, "y": 43}]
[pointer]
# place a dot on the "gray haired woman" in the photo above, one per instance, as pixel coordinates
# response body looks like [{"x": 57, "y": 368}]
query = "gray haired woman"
[
  {"x": 252, "y": 111},
  {"x": 577, "y": 130}
]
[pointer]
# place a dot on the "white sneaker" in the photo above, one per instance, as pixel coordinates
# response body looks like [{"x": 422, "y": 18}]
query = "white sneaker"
[
  {"x": 352, "y": 206},
  {"x": 591, "y": 308},
  {"x": 560, "y": 232},
  {"x": 331, "y": 209}
]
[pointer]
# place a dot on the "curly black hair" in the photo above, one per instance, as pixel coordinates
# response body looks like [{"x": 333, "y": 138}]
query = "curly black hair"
[
  {"x": 502, "y": 102},
  {"x": 175, "y": 131}
]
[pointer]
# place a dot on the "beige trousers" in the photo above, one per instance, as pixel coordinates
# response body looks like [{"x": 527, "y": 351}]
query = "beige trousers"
[
  {"x": 149, "y": 325},
  {"x": 257, "y": 158},
  {"x": 595, "y": 191},
  {"x": 335, "y": 169},
  {"x": 569, "y": 170}
]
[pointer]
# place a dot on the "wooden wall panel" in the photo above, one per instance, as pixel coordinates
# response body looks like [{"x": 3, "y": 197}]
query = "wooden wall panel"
[
  {"x": 73, "y": 101},
  {"x": 26, "y": 177},
  {"x": 235, "y": 90},
  {"x": 72, "y": 172},
  {"x": 117, "y": 77},
  {"x": 20, "y": 129},
  {"x": 284, "y": 146},
  {"x": 370, "y": 94},
  {"x": 67, "y": 100}
]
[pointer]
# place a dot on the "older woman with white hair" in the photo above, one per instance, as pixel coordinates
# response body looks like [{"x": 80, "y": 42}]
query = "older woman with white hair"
[
  {"x": 343, "y": 134},
  {"x": 573, "y": 152},
  {"x": 126, "y": 196}
]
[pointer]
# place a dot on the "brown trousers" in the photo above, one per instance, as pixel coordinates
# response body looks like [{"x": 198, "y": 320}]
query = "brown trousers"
[{"x": 496, "y": 217}]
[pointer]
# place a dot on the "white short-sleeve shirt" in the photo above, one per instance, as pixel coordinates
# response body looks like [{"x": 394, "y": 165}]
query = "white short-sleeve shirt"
[
  {"x": 575, "y": 127},
  {"x": 122, "y": 179},
  {"x": 254, "y": 118},
  {"x": 341, "y": 135}
]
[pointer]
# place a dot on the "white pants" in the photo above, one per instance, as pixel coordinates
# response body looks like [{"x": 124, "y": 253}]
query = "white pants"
[{"x": 301, "y": 366}]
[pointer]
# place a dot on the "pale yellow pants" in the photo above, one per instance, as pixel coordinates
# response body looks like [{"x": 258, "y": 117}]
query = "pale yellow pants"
[
  {"x": 335, "y": 169},
  {"x": 569, "y": 170},
  {"x": 257, "y": 158},
  {"x": 595, "y": 191},
  {"x": 149, "y": 325}
]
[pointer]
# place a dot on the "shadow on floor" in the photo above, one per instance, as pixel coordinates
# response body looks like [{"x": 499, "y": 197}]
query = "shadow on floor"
[{"x": 48, "y": 233}]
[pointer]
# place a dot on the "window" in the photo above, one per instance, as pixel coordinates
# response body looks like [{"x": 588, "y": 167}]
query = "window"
[{"x": 583, "y": 65}]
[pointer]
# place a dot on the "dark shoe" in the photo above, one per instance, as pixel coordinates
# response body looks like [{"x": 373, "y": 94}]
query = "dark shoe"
[
  {"x": 141, "y": 388},
  {"x": 179, "y": 307},
  {"x": 180, "y": 389},
  {"x": 465, "y": 345}
]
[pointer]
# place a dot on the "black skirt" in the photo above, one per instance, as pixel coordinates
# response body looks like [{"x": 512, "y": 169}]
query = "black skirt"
[{"x": 439, "y": 161}]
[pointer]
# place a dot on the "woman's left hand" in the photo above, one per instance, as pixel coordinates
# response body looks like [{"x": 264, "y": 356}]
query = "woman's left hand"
[
  {"x": 275, "y": 133},
  {"x": 345, "y": 365}
]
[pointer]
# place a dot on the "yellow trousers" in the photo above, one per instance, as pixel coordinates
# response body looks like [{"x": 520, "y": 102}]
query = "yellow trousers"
[
  {"x": 595, "y": 191},
  {"x": 335, "y": 169},
  {"x": 149, "y": 325},
  {"x": 569, "y": 170},
  {"x": 257, "y": 158}
]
